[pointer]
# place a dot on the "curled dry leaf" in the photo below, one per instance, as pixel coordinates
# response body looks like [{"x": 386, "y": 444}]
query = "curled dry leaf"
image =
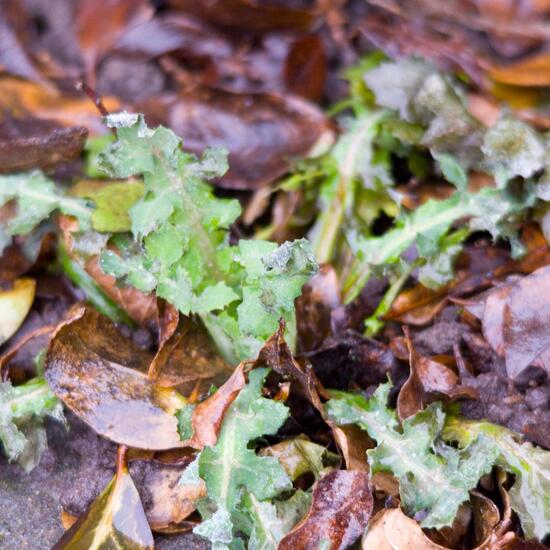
[
  {"x": 101, "y": 377},
  {"x": 15, "y": 303},
  {"x": 391, "y": 529},
  {"x": 114, "y": 520},
  {"x": 168, "y": 503},
  {"x": 429, "y": 381},
  {"x": 262, "y": 132},
  {"x": 341, "y": 507},
  {"x": 208, "y": 415},
  {"x": 28, "y": 142}
]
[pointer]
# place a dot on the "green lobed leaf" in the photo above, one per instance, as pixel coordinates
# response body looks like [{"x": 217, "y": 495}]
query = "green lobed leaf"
[
  {"x": 231, "y": 469},
  {"x": 530, "y": 493},
  {"x": 180, "y": 246},
  {"x": 434, "y": 478},
  {"x": 22, "y": 410},
  {"x": 37, "y": 197}
]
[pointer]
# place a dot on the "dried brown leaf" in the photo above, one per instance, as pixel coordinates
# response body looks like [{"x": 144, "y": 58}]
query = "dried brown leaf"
[
  {"x": 341, "y": 507},
  {"x": 100, "y": 376}
]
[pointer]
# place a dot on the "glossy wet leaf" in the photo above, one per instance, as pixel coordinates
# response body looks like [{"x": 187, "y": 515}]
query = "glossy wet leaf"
[
  {"x": 115, "y": 519},
  {"x": 15, "y": 304},
  {"x": 340, "y": 509},
  {"x": 102, "y": 377}
]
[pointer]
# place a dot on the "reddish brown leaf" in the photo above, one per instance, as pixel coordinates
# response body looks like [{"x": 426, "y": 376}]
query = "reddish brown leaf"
[
  {"x": 27, "y": 143},
  {"x": 208, "y": 415},
  {"x": 305, "y": 68},
  {"x": 429, "y": 381},
  {"x": 192, "y": 363},
  {"x": 262, "y": 132},
  {"x": 248, "y": 15},
  {"x": 96, "y": 39},
  {"x": 100, "y": 376},
  {"x": 341, "y": 507}
]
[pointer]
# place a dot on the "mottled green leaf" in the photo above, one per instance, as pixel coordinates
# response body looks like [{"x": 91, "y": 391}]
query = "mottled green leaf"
[
  {"x": 530, "y": 493},
  {"x": 434, "y": 478},
  {"x": 22, "y": 410}
]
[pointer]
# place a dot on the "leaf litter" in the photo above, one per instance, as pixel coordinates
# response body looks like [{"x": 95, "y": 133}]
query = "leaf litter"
[{"x": 295, "y": 272}]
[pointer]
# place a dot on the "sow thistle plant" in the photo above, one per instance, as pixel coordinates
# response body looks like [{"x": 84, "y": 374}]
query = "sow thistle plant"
[{"x": 178, "y": 239}]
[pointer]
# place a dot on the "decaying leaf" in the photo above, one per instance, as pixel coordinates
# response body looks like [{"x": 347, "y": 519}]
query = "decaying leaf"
[
  {"x": 340, "y": 509},
  {"x": 29, "y": 143},
  {"x": 206, "y": 418},
  {"x": 102, "y": 377},
  {"x": 114, "y": 520},
  {"x": 391, "y": 529},
  {"x": 429, "y": 381},
  {"x": 15, "y": 303},
  {"x": 299, "y": 455}
]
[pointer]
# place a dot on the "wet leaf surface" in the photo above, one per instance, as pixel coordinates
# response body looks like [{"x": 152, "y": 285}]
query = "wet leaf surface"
[
  {"x": 115, "y": 519},
  {"x": 117, "y": 400},
  {"x": 15, "y": 304},
  {"x": 341, "y": 507}
]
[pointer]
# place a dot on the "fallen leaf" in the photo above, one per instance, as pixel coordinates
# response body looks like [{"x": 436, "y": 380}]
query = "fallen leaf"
[
  {"x": 320, "y": 296},
  {"x": 262, "y": 132},
  {"x": 101, "y": 376},
  {"x": 391, "y": 529},
  {"x": 189, "y": 361},
  {"x": 15, "y": 304},
  {"x": 27, "y": 143},
  {"x": 96, "y": 40},
  {"x": 341, "y": 507},
  {"x": 248, "y": 15},
  {"x": 114, "y": 520},
  {"x": 207, "y": 416},
  {"x": 27, "y": 99},
  {"x": 141, "y": 307},
  {"x": 14, "y": 41},
  {"x": 429, "y": 381},
  {"x": 531, "y": 71},
  {"x": 167, "y": 502}
]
